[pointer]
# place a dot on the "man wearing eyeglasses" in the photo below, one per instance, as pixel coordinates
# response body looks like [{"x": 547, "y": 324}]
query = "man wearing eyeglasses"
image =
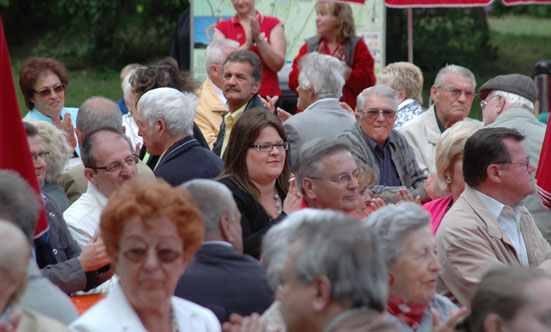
[
  {"x": 376, "y": 144},
  {"x": 488, "y": 225},
  {"x": 71, "y": 267},
  {"x": 508, "y": 101},
  {"x": 453, "y": 93}
]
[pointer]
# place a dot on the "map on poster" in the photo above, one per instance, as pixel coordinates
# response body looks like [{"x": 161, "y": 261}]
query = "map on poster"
[{"x": 298, "y": 18}]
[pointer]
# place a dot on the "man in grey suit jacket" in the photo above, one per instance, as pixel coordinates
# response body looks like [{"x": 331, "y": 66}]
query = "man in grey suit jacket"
[
  {"x": 320, "y": 81},
  {"x": 508, "y": 101}
]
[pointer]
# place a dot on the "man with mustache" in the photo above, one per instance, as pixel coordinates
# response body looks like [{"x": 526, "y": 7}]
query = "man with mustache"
[
  {"x": 241, "y": 80},
  {"x": 453, "y": 93}
]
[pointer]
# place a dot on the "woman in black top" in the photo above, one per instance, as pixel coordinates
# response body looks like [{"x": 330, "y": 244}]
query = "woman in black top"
[{"x": 257, "y": 173}]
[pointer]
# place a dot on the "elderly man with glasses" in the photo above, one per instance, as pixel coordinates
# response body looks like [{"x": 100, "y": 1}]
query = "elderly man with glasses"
[
  {"x": 453, "y": 93},
  {"x": 508, "y": 101},
  {"x": 376, "y": 144}
]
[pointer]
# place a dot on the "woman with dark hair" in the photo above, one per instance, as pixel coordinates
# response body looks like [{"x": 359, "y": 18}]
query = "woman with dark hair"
[
  {"x": 337, "y": 37},
  {"x": 257, "y": 172},
  {"x": 43, "y": 82}
]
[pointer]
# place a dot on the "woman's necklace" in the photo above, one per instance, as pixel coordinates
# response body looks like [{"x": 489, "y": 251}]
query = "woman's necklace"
[{"x": 277, "y": 203}]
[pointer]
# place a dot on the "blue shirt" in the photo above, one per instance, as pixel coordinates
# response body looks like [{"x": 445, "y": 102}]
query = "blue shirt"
[
  {"x": 387, "y": 170},
  {"x": 36, "y": 115}
]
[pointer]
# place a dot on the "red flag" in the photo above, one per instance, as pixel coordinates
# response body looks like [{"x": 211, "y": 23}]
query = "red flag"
[
  {"x": 543, "y": 174},
  {"x": 525, "y": 2},
  {"x": 14, "y": 149}
]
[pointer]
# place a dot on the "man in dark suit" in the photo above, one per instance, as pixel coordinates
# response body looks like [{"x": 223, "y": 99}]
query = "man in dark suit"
[
  {"x": 165, "y": 120},
  {"x": 221, "y": 278}
]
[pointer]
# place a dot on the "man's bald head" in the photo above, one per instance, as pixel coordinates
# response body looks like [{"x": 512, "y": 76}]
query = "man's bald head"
[{"x": 95, "y": 113}]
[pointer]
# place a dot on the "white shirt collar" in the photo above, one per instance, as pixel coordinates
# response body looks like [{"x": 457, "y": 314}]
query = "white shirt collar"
[
  {"x": 405, "y": 102},
  {"x": 319, "y": 101},
  {"x": 219, "y": 92}
]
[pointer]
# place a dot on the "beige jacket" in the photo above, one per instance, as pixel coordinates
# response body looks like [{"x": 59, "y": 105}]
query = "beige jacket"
[
  {"x": 208, "y": 116},
  {"x": 422, "y": 133},
  {"x": 32, "y": 321},
  {"x": 469, "y": 242}
]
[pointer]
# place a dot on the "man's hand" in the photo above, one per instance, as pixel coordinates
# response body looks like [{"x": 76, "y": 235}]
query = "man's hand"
[
  {"x": 94, "y": 255},
  {"x": 11, "y": 326},
  {"x": 270, "y": 102},
  {"x": 347, "y": 108},
  {"x": 251, "y": 323}
]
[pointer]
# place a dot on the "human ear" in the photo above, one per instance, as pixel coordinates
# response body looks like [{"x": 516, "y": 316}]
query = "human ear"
[{"x": 322, "y": 296}]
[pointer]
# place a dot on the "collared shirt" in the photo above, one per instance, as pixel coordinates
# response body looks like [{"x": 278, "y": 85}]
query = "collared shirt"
[
  {"x": 230, "y": 120},
  {"x": 319, "y": 101},
  {"x": 438, "y": 122},
  {"x": 407, "y": 110},
  {"x": 217, "y": 243},
  {"x": 508, "y": 219},
  {"x": 388, "y": 176},
  {"x": 219, "y": 93}
]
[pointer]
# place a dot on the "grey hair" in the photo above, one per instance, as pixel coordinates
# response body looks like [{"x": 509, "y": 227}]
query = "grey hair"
[
  {"x": 439, "y": 80},
  {"x": 205, "y": 193},
  {"x": 514, "y": 99},
  {"x": 309, "y": 163},
  {"x": 340, "y": 249},
  {"x": 176, "y": 108},
  {"x": 55, "y": 142},
  {"x": 276, "y": 241},
  {"x": 19, "y": 203},
  {"x": 92, "y": 140},
  {"x": 324, "y": 72},
  {"x": 392, "y": 225},
  {"x": 246, "y": 56},
  {"x": 98, "y": 112},
  {"x": 379, "y": 90},
  {"x": 215, "y": 51}
]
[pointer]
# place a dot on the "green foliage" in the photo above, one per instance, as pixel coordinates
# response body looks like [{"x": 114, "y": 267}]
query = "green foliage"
[
  {"x": 98, "y": 33},
  {"x": 499, "y": 9},
  {"x": 440, "y": 37}
]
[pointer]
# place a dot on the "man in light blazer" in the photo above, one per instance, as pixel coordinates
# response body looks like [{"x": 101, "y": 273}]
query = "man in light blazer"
[
  {"x": 320, "y": 81},
  {"x": 487, "y": 226}
]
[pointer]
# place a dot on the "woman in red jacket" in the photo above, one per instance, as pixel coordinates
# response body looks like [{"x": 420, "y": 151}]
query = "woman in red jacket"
[{"x": 337, "y": 37}]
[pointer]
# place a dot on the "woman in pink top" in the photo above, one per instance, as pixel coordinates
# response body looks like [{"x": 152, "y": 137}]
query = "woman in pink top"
[{"x": 449, "y": 169}]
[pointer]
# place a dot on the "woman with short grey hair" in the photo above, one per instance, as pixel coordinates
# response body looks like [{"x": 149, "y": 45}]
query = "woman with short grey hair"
[{"x": 407, "y": 246}]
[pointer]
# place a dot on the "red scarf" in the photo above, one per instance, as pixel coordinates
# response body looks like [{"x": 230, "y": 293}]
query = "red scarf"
[
  {"x": 339, "y": 52},
  {"x": 409, "y": 313}
]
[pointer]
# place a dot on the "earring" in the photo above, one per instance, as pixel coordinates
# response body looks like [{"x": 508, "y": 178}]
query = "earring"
[
  {"x": 448, "y": 180},
  {"x": 390, "y": 279}
]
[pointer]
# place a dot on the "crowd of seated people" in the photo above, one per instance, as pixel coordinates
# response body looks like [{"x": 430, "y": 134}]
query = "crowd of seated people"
[{"x": 208, "y": 208}]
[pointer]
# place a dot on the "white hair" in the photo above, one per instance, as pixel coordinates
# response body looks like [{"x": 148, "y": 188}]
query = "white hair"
[
  {"x": 176, "y": 108},
  {"x": 325, "y": 73},
  {"x": 513, "y": 99},
  {"x": 215, "y": 51},
  {"x": 439, "y": 80}
]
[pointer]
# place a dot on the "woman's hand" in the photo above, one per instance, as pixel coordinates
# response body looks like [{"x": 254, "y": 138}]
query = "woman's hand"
[
  {"x": 254, "y": 28},
  {"x": 11, "y": 326},
  {"x": 67, "y": 127},
  {"x": 347, "y": 108},
  {"x": 450, "y": 324},
  {"x": 293, "y": 201},
  {"x": 403, "y": 195}
]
